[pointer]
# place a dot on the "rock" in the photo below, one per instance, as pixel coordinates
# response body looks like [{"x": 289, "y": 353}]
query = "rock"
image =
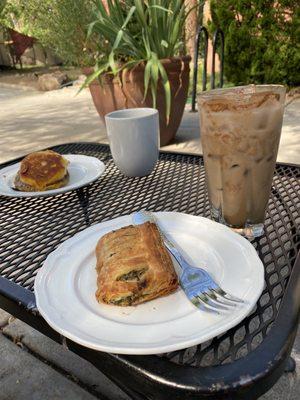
[
  {"x": 4, "y": 318},
  {"x": 27, "y": 57},
  {"x": 52, "y": 81}
]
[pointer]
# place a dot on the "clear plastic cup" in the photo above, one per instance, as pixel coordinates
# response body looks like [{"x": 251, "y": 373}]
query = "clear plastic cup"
[{"x": 240, "y": 134}]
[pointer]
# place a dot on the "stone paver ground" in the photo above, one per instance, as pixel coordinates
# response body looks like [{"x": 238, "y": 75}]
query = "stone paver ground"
[
  {"x": 32, "y": 366},
  {"x": 23, "y": 376},
  {"x": 76, "y": 376}
]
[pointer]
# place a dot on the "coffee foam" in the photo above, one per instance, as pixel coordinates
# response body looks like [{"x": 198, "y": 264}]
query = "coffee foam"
[{"x": 243, "y": 101}]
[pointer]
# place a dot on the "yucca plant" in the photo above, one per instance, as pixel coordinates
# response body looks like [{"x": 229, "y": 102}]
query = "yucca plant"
[{"x": 131, "y": 32}]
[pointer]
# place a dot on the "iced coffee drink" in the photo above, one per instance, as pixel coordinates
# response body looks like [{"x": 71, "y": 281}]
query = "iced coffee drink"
[{"x": 240, "y": 133}]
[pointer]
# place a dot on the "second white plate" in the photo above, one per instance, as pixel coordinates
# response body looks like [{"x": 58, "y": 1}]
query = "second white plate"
[
  {"x": 65, "y": 290},
  {"x": 82, "y": 170}
]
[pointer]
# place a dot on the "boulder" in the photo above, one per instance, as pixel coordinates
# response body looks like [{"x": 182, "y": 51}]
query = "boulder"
[
  {"x": 52, "y": 81},
  {"x": 28, "y": 57}
]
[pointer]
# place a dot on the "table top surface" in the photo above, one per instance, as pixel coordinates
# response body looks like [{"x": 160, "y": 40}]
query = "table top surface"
[{"x": 33, "y": 227}]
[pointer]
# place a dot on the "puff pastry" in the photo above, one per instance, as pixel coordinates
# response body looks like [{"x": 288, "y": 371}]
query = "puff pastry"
[{"x": 133, "y": 266}]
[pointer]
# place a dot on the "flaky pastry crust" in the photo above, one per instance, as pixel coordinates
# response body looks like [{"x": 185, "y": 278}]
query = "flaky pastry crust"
[{"x": 133, "y": 266}]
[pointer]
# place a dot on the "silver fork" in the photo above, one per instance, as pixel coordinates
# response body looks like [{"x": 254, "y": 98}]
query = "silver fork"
[{"x": 197, "y": 284}]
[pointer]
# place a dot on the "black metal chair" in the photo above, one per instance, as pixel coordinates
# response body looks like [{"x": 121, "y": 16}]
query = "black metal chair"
[
  {"x": 217, "y": 38},
  {"x": 242, "y": 363}
]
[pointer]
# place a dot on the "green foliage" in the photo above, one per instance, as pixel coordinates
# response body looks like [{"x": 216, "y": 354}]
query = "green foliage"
[
  {"x": 261, "y": 40},
  {"x": 58, "y": 24},
  {"x": 136, "y": 31},
  {"x": 9, "y": 12},
  {"x": 126, "y": 33},
  {"x": 2, "y": 5}
]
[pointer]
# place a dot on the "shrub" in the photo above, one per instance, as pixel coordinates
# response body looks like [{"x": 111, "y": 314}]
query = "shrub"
[
  {"x": 261, "y": 40},
  {"x": 58, "y": 24},
  {"x": 2, "y": 5}
]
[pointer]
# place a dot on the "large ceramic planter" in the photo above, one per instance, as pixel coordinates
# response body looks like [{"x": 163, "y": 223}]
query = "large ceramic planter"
[{"x": 127, "y": 91}]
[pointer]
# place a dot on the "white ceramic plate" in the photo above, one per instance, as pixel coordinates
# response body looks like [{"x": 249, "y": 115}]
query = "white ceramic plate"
[
  {"x": 82, "y": 170},
  {"x": 65, "y": 290}
]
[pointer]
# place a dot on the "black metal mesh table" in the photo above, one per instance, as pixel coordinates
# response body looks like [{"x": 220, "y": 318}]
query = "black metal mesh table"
[{"x": 31, "y": 228}]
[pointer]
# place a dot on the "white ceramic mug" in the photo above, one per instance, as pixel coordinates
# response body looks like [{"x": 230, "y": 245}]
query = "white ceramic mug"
[{"x": 133, "y": 136}]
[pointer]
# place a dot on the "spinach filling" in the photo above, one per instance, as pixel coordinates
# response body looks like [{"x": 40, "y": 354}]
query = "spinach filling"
[
  {"x": 127, "y": 300},
  {"x": 134, "y": 275}
]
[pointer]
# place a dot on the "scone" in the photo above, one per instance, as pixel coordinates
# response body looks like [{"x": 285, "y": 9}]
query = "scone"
[
  {"x": 40, "y": 171},
  {"x": 133, "y": 266}
]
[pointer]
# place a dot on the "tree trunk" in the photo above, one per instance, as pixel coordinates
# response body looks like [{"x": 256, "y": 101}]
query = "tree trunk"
[{"x": 191, "y": 26}]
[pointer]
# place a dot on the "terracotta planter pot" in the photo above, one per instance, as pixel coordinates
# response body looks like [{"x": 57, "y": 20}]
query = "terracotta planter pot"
[{"x": 112, "y": 95}]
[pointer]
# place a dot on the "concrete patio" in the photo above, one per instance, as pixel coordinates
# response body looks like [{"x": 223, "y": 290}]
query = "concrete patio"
[
  {"x": 31, "y": 120},
  {"x": 32, "y": 366}
]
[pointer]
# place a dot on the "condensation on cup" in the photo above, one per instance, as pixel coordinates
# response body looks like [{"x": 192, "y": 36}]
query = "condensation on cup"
[{"x": 240, "y": 134}]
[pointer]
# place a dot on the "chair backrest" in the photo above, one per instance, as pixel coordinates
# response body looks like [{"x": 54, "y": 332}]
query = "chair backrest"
[{"x": 218, "y": 37}]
